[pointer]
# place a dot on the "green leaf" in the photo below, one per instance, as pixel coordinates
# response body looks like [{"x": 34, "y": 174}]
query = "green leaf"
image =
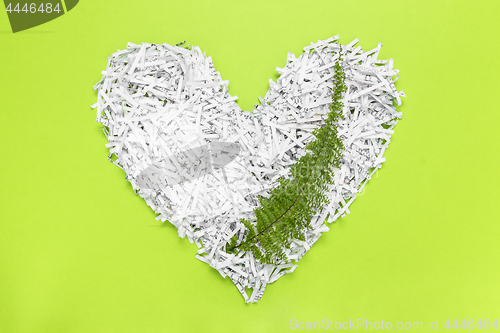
[{"x": 286, "y": 213}]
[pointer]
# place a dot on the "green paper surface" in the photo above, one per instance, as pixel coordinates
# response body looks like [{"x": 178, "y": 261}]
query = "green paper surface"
[{"x": 79, "y": 252}]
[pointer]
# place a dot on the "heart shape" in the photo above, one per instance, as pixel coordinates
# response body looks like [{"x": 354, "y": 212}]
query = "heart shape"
[{"x": 169, "y": 120}]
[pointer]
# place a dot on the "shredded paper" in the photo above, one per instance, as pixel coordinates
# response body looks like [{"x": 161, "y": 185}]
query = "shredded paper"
[{"x": 200, "y": 162}]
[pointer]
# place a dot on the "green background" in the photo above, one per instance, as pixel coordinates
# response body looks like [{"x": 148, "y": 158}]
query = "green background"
[{"x": 79, "y": 252}]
